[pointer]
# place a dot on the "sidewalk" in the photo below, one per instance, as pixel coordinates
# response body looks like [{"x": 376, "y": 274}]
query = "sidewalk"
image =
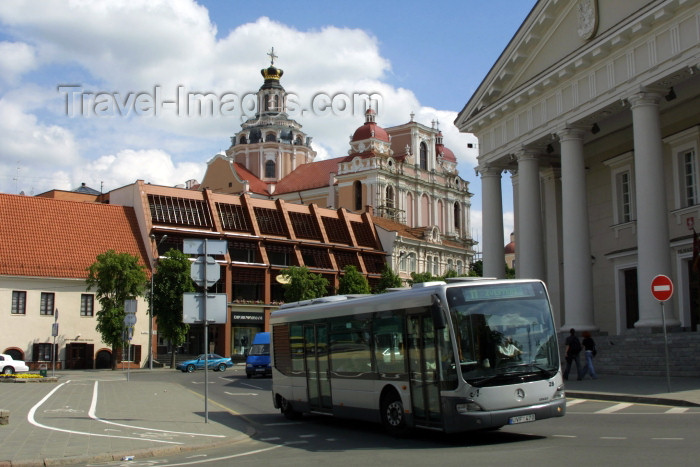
[
  {"x": 59, "y": 424},
  {"x": 685, "y": 391},
  {"x": 99, "y": 416}
]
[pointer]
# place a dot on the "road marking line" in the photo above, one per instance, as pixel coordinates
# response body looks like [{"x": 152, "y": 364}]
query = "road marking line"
[
  {"x": 613, "y": 437},
  {"x": 668, "y": 439},
  {"x": 251, "y": 386},
  {"x": 241, "y": 393},
  {"x": 215, "y": 459},
  {"x": 274, "y": 438},
  {"x": 571, "y": 402},
  {"x": 93, "y": 406},
  {"x": 615, "y": 408},
  {"x": 677, "y": 410},
  {"x": 32, "y": 411},
  {"x": 307, "y": 436},
  {"x": 563, "y": 436}
]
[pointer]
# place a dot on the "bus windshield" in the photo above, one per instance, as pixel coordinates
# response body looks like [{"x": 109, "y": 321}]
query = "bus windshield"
[{"x": 504, "y": 333}]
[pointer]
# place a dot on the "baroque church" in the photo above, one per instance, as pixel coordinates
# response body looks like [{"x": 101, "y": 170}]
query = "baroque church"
[{"x": 404, "y": 176}]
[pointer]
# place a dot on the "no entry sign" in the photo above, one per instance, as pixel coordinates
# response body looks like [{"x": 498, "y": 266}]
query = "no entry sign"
[{"x": 661, "y": 288}]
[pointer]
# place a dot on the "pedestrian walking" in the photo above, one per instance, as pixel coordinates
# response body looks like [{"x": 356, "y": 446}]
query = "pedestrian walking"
[
  {"x": 589, "y": 347},
  {"x": 572, "y": 354}
]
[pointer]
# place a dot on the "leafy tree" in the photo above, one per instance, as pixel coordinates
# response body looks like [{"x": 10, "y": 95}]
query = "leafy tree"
[
  {"x": 476, "y": 269},
  {"x": 303, "y": 284},
  {"x": 116, "y": 277},
  {"x": 353, "y": 282},
  {"x": 510, "y": 272},
  {"x": 171, "y": 280},
  {"x": 450, "y": 273},
  {"x": 388, "y": 280},
  {"x": 418, "y": 277}
]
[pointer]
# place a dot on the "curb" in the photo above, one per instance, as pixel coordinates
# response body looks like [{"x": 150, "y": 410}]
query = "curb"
[{"x": 631, "y": 398}]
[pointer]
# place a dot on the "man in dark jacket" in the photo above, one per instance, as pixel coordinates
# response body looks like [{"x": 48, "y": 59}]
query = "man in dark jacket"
[{"x": 573, "y": 349}]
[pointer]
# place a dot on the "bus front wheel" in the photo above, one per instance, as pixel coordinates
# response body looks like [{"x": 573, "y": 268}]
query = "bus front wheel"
[
  {"x": 393, "y": 416},
  {"x": 287, "y": 409}
]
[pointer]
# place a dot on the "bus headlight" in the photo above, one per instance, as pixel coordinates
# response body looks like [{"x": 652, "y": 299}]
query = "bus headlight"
[
  {"x": 467, "y": 407},
  {"x": 560, "y": 393}
]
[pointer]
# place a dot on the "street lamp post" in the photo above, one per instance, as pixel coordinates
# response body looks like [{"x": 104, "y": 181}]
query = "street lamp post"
[{"x": 150, "y": 303}]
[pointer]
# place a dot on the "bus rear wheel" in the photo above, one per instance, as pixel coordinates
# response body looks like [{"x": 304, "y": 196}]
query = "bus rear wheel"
[
  {"x": 287, "y": 409},
  {"x": 393, "y": 416}
]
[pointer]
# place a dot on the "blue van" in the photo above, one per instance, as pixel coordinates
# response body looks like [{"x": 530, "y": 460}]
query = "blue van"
[{"x": 258, "y": 360}]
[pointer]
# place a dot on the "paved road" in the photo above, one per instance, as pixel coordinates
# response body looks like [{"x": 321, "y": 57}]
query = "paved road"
[{"x": 158, "y": 417}]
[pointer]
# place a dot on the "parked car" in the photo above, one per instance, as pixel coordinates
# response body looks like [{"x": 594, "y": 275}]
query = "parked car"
[
  {"x": 8, "y": 365},
  {"x": 216, "y": 363}
]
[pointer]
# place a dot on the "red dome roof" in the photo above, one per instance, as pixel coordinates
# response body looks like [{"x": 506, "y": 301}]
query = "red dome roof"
[
  {"x": 370, "y": 129},
  {"x": 446, "y": 152}
]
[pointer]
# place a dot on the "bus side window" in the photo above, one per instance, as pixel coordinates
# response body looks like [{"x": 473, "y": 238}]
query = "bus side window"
[{"x": 389, "y": 348}]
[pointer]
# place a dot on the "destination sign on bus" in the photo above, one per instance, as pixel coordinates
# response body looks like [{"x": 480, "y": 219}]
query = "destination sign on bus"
[{"x": 498, "y": 292}]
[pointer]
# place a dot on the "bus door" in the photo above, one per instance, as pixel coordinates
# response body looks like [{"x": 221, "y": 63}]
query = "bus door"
[
  {"x": 317, "y": 372},
  {"x": 424, "y": 375}
]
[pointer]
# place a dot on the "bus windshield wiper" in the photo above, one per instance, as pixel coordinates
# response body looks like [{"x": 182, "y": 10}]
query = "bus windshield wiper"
[{"x": 539, "y": 368}]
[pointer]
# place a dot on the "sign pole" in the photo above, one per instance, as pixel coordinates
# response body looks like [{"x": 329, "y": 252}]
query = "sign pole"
[
  {"x": 662, "y": 290},
  {"x": 668, "y": 371},
  {"x": 206, "y": 341},
  {"x": 54, "y": 333}
]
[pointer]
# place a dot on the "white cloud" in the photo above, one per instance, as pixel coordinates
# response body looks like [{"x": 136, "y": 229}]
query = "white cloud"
[
  {"x": 16, "y": 58},
  {"x": 153, "y": 166}
]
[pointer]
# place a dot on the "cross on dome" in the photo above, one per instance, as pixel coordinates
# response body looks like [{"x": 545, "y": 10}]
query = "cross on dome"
[{"x": 272, "y": 55}]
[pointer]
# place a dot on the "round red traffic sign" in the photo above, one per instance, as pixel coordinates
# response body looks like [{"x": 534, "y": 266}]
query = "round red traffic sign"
[{"x": 661, "y": 288}]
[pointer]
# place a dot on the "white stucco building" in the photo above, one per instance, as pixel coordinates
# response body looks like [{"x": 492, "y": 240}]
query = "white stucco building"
[{"x": 594, "y": 109}]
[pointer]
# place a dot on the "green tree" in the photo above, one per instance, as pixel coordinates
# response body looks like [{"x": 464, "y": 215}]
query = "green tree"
[
  {"x": 418, "y": 277},
  {"x": 353, "y": 282},
  {"x": 450, "y": 273},
  {"x": 476, "y": 269},
  {"x": 303, "y": 284},
  {"x": 388, "y": 280},
  {"x": 171, "y": 280},
  {"x": 116, "y": 277},
  {"x": 510, "y": 272}
]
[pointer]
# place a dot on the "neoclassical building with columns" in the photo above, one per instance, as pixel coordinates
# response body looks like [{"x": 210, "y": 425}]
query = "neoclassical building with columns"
[{"x": 593, "y": 109}]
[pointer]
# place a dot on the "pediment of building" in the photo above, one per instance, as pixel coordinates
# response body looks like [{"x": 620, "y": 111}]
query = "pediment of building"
[{"x": 558, "y": 40}]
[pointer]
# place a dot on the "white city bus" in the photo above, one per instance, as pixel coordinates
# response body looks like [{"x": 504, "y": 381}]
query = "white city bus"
[{"x": 457, "y": 356}]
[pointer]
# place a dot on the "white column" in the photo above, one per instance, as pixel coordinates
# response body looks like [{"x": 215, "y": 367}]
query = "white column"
[
  {"x": 530, "y": 245},
  {"x": 492, "y": 219},
  {"x": 514, "y": 180},
  {"x": 652, "y": 218},
  {"x": 578, "y": 280},
  {"x": 551, "y": 197}
]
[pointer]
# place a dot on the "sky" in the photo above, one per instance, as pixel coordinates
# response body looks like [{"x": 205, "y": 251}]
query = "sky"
[{"x": 107, "y": 93}]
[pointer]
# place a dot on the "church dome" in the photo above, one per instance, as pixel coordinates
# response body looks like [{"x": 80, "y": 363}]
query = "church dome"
[
  {"x": 370, "y": 129},
  {"x": 446, "y": 152}
]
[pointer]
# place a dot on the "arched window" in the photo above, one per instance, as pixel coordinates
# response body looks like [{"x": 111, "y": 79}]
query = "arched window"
[
  {"x": 412, "y": 262},
  {"x": 243, "y": 140},
  {"x": 423, "y": 156},
  {"x": 270, "y": 169},
  {"x": 270, "y": 138},
  {"x": 389, "y": 196},
  {"x": 456, "y": 216},
  {"x": 402, "y": 262},
  {"x": 358, "y": 195},
  {"x": 277, "y": 103},
  {"x": 409, "y": 209}
]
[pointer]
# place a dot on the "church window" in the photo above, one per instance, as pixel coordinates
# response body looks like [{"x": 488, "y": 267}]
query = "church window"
[
  {"x": 423, "y": 156},
  {"x": 389, "y": 196},
  {"x": 270, "y": 169},
  {"x": 456, "y": 216},
  {"x": 358, "y": 195},
  {"x": 270, "y": 138},
  {"x": 243, "y": 140}
]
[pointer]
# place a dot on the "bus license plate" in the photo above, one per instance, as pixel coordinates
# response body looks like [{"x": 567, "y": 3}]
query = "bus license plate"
[{"x": 521, "y": 419}]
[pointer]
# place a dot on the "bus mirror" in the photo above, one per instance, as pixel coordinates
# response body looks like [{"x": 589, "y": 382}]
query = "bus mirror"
[{"x": 438, "y": 316}]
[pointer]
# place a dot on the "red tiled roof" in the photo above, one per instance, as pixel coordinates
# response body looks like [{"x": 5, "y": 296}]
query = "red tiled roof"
[
  {"x": 43, "y": 237},
  {"x": 256, "y": 185},
  {"x": 309, "y": 176}
]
